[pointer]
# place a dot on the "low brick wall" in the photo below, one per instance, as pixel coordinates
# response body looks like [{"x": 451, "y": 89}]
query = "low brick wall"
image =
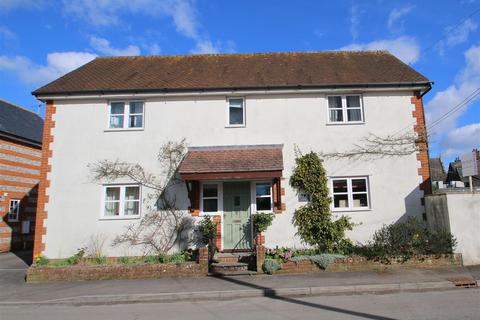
[
  {"x": 118, "y": 271},
  {"x": 363, "y": 264}
]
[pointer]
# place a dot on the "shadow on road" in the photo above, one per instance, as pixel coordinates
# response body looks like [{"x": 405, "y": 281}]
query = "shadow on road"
[{"x": 270, "y": 293}]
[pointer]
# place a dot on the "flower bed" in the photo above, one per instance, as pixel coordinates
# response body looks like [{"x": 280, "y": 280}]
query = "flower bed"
[{"x": 58, "y": 271}]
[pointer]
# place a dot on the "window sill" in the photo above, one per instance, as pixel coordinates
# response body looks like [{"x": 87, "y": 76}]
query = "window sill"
[
  {"x": 345, "y": 123},
  {"x": 122, "y": 129},
  {"x": 119, "y": 218},
  {"x": 236, "y": 126},
  {"x": 351, "y": 210}
]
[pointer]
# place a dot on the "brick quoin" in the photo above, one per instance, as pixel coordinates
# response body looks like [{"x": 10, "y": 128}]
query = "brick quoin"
[
  {"x": 218, "y": 240},
  {"x": 422, "y": 155},
  {"x": 47, "y": 138}
]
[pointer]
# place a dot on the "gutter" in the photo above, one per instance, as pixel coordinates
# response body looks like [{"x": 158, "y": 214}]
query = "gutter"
[{"x": 236, "y": 91}]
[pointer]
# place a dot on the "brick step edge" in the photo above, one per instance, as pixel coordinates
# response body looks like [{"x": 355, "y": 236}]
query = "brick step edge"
[{"x": 234, "y": 294}]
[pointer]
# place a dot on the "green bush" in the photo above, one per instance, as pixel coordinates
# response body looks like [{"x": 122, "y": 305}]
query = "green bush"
[
  {"x": 208, "y": 229},
  {"x": 406, "y": 239},
  {"x": 270, "y": 266},
  {"x": 77, "y": 257},
  {"x": 125, "y": 260},
  {"x": 262, "y": 221},
  {"x": 42, "y": 261},
  {"x": 314, "y": 220}
]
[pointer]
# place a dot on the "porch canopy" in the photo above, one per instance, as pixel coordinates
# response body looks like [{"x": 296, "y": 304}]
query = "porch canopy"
[{"x": 246, "y": 162}]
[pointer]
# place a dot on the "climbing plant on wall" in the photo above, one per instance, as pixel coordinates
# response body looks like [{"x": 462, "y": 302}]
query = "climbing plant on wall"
[{"x": 314, "y": 221}]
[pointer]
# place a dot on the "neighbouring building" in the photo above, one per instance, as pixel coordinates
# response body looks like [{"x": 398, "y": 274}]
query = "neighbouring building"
[
  {"x": 455, "y": 177},
  {"x": 242, "y": 116},
  {"x": 20, "y": 157},
  {"x": 437, "y": 173}
]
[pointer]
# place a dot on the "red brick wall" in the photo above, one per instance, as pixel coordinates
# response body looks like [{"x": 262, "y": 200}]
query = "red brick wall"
[
  {"x": 19, "y": 177},
  {"x": 45, "y": 168},
  {"x": 422, "y": 144}
]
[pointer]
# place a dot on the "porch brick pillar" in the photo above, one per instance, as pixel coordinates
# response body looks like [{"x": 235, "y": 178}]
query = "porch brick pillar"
[
  {"x": 203, "y": 258},
  {"x": 260, "y": 256}
]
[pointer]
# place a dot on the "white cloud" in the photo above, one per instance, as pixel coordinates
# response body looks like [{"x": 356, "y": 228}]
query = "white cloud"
[
  {"x": 355, "y": 13},
  {"x": 105, "y": 13},
  {"x": 6, "y": 5},
  {"x": 6, "y": 33},
  {"x": 207, "y": 46},
  {"x": 460, "y": 34},
  {"x": 58, "y": 64},
  {"x": 466, "y": 82},
  {"x": 103, "y": 46},
  {"x": 461, "y": 140},
  {"x": 396, "y": 16},
  {"x": 153, "y": 49},
  {"x": 405, "y": 48}
]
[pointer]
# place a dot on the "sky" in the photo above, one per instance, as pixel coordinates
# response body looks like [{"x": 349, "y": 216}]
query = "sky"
[{"x": 41, "y": 40}]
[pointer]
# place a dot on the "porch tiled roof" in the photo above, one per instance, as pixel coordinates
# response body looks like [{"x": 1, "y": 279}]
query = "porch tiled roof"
[{"x": 253, "y": 158}]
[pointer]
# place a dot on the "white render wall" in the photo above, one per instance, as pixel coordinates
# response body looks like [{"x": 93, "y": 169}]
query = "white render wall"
[{"x": 80, "y": 138}]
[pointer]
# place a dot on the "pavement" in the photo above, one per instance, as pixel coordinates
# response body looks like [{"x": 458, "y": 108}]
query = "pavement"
[{"x": 16, "y": 292}]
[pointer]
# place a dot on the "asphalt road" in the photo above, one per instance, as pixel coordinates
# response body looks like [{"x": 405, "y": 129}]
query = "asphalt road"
[{"x": 450, "y": 304}]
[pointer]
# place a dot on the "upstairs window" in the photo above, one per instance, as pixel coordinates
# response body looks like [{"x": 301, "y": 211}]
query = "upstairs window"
[
  {"x": 126, "y": 115},
  {"x": 345, "y": 109},
  {"x": 350, "y": 193},
  {"x": 210, "y": 197},
  {"x": 14, "y": 210},
  {"x": 122, "y": 201},
  {"x": 236, "y": 112}
]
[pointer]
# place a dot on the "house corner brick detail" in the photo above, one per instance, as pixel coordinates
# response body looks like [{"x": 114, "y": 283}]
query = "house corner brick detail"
[
  {"x": 45, "y": 168},
  {"x": 421, "y": 143}
]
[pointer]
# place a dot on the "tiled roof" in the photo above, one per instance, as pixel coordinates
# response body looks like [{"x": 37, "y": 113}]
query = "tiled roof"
[
  {"x": 437, "y": 171},
  {"x": 17, "y": 122},
  {"x": 235, "y": 71},
  {"x": 232, "y": 159}
]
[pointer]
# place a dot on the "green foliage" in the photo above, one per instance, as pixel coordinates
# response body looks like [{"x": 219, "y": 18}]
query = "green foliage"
[
  {"x": 270, "y": 266},
  {"x": 208, "y": 229},
  {"x": 98, "y": 260},
  {"x": 262, "y": 220},
  {"x": 125, "y": 260},
  {"x": 77, "y": 257},
  {"x": 322, "y": 260},
  {"x": 406, "y": 239},
  {"x": 42, "y": 261},
  {"x": 314, "y": 220}
]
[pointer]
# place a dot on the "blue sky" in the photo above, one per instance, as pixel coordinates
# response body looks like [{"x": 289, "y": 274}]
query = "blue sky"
[{"x": 43, "y": 39}]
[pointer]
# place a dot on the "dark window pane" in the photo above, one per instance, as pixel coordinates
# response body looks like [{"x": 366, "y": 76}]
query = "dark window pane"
[
  {"x": 116, "y": 121},
  {"x": 136, "y": 107},
  {"x": 236, "y": 201},
  {"x": 210, "y": 205},
  {"x": 340, "y": 201},
  {"x": 336, "y": 115},
  {"x": 263, "y": 203},
  {"x": 117, "y": 108},
  {"x": 335, "y": 102},
  {"x": 360, "y": 200},
  {"x": 353, "y": 102},
  {"x": 339, "y": 186},
  {"x": 236, "y": 116},
  {"x": 132, "y": 193},
  {"x": 112, "y": 194},
  {"x": 359, "y": 185},
  {"x": 263, "y": 189},
  {"x": 354, "y": 115},
  {"x": 135, "y": 122},
  {"x": 210, "y": 190}
]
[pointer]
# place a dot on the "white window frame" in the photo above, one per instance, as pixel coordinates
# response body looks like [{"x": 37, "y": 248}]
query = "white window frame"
[
  {"x": 126, "y": 115},
  {"x": 254, "y": 196},
  {"x": 14, "y": 215},
  {"x": 122, "y": 202},
  {"x": 344, "y": 109},
  {"x": 227, "y": 113},
  {"x": 350, "y": 194},
  {"x": 219, "y": 198}
]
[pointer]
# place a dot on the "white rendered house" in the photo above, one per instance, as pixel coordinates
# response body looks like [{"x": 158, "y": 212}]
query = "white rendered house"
[{"x": 242, "y": 116}]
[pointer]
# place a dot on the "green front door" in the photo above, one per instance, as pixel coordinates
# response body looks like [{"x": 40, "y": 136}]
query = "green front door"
[{"x": 237, "y": 234}]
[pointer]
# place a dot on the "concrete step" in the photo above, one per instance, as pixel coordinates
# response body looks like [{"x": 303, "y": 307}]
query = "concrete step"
[
  {"x": 232, "y": 257},
  {"x": 234, "y": 273},
  {"x": 223, "y": 268}
]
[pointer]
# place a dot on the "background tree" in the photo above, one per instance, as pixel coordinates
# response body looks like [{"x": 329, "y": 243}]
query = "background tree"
[
  {"x": 314, "y": 220},
  {"x": 163, "y": 224}
]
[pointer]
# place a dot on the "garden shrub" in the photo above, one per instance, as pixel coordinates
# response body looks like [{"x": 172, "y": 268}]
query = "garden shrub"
[
  {"x": 270, "y": 266},
  {"x": 262, "y": 220},
  {"x": 42, "y": 261},
  {"x": 314, "y": 220},
  {"x": 406, "y": 239},
  {"x": 208, "y": 229}
]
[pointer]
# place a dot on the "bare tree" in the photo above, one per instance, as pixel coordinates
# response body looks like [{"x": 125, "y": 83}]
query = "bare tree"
[
  {"x": 375, "y": 147},
  {"x": 163, "y": 224}
]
